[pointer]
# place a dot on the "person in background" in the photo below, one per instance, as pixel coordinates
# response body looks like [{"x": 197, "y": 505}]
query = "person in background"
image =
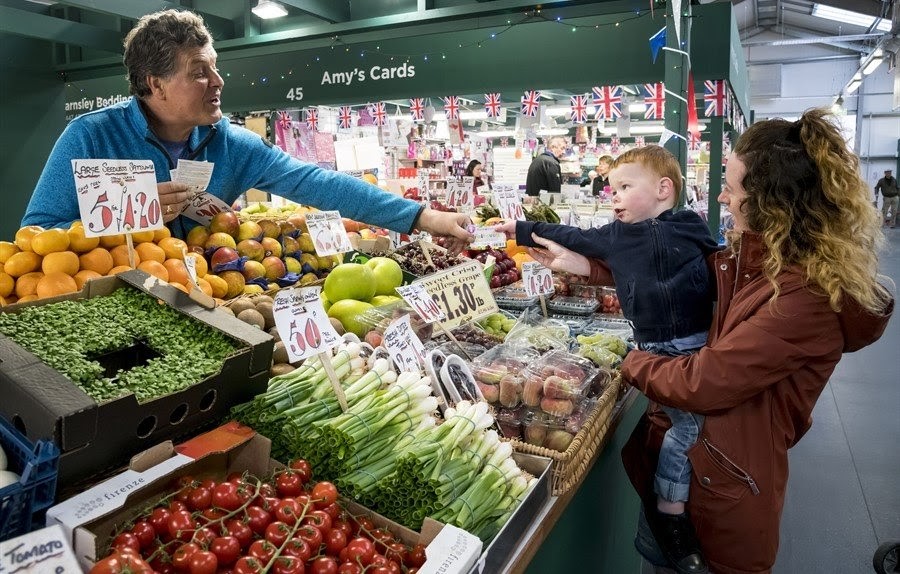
[
  {"x": 544, "y": 171},
  {"x": 175, "y": 113},
  {"x": 797, "y": 287},
  {"x": 475, "y": 170},
  {"x": 887, "y": 186},
  {"x": 604, "y": 164}
]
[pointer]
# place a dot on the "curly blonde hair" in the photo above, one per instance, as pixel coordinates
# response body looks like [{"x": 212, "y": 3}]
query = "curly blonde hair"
[{"x": 806, "y": 198}]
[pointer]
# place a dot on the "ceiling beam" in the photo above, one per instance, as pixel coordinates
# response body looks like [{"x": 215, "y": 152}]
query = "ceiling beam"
[
  {"x": 134, "y": 9},
  {"x": 799, "y": 37},
  {"x": 330, "y": 10},
  {"x": 31, "y": 25}
]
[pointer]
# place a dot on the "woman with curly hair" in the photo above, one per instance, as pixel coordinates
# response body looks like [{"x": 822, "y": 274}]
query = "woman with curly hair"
[{"x": 797, "y": 287}]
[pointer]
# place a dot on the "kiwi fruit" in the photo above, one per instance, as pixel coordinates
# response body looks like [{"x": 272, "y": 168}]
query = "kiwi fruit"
[
  {"x": 280, "y": 354},
  {"x": 264, "y": 299},
  {"x": 338, "y": 326},
  {"x": 265, "y": 309},
  {"x": 240, "y": 305},
  {"x": 280, "y": 369},
  {"x": 252, "y": 317},
  {"x": 225, "y": 309}
]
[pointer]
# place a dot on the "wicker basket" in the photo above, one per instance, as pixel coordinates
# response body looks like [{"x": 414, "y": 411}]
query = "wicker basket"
[{"x": 570, "y": 466}]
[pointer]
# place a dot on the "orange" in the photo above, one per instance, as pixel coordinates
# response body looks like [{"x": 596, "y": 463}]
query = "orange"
[
  {"x": 521, "y": 258},
  {"x": 204, "y": 286},
  {"x": 27, "y": 284},
  {"x": 24, "y": 235},
  {"x": 7, "y": 284},
  {"x": 155, "y": 268},
  {"x": 84, "y": 276},
  {"x": 150, "y": 252},
  {"x": 219, "y": 286},
  {"x": 120, "y": 256},
  {"x": 180, "y": 287},
  {"x": 7, "y": 250},
  {"x": 27, "y": 298},
  {"x": 64, "y": 262},
  {"x": 119, "y": 269},
  {"x": 173, "y": 247},
  {"x": 50, "y": 241},
  {"x": 78, "y": 242},
  {"x": 22, "y": 263},
  {"x": 160, "y": 234},
  {"x": 200, "y": 264},
  {"x": 98, "y": 260},
  {"x": 53, "y": 284},
  {"x": 142, "y": 236},
  {"x": 177, "y": 271},
  {"x": 110, "y": 241}
]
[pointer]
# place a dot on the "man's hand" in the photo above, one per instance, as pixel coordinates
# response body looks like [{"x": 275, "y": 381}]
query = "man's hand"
[
  {"x": 556, "y": 257},
  {"x": 172, "y": 197},
  {"x": 453, "y": 227}
]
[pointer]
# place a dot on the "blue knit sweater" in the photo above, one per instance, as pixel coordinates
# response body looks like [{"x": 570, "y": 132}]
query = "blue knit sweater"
[{"x": 243, "y": 160}]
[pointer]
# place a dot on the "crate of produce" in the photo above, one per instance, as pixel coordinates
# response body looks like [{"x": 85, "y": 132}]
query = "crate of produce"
[
  {"x": 170, "y": 391},
  {"x": 572, "y": 305},
  {"x": 571, "y": 466},
  {"x": 22, "y": 503}
]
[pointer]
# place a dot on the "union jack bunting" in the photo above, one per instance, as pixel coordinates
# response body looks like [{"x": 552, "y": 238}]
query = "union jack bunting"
[
  {"x": 451, "y": 107},
  {"x": 417, "y": 109},
  {"x": 639, "y": 141},
  {"x": 693, "y": 140},
  {"x": 655, "y": 98},
  {"x": 492, "y": 104},
  {"x": 578, "y": 105},
  {"x": 504, "y": 142},
  {"x": 284, "y": 118},
  {"x": 378, "y": 113},
  {"x": 614, "y": 144},
  {"x": 530, "y": 102},
  {"x": 608, "y": 100},
  {"x": 312, "y": 119},
  {"x": 715, "y": 94},
  {"x": 345, "y": 117}
]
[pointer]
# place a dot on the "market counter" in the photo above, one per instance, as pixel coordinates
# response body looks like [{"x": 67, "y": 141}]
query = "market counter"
[{"x": 591, "y": 527}]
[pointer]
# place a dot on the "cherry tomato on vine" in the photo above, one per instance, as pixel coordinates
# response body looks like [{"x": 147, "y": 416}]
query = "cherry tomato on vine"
[
  {"x": 319, "y": 519},
  {"x": 277, "y": 532},
  {"x": 298, "y": 548},
  {"x": 303, "y": 469},
  {"x": 335, "y": 541},
  {"x": 176, "y": 506},
  {"x": 126, "y": 540},
  {"x": 199, "y": 498},
  {"x": 203, "y": 562},
  {"x": 262, "y": 550},
  {"x": 144, "y": 532},
  {"x": 332, "y": 510},
  {"x": 324, "y": 493},
  {"x": 126, "y": 562},
  {"x": 248, "y": 565},
  {"x": 362, "y": 550},
  {"x": 323, "y": 565},
  {"x": 288, "y": 483},
  {"x": 344, "y": 526},
  {"x": 181, "y": 558},
  {"x": 312, "y": 536},
  {"x": 349, "y": 568},
  {"x": 226, "y": 496},
  {"x": 397, "y": 552},
  {"x": 227, "y": 549},
  {"x": 288, "y": 511},
  {"x": 159, "y": 519},
  {"x": 258, "y": 519},
  {"x": 416, "y": 556},
  {"x": 288, "y": 565},
  {"x": 182, "y": 525},
  {"x": 240, "y": 530}
]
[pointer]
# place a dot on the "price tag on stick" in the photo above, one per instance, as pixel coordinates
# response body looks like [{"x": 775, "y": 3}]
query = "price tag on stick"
[
  {"x": 404, "y": 347},
  {"x": 306, "y": 330},
  {"x": 116, "y": 196},
  {"x": 196, "y": 294},
  {"x": 328, "y": 233},
  {"x": 509, "y": 203},
  {"x": 461, "y": 292},
  {"x": 418, "y": 298},
  {"x": 537, "y": 281}
]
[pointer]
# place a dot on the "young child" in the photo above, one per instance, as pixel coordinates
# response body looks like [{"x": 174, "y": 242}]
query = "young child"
[{"x": 658, "y": 260}]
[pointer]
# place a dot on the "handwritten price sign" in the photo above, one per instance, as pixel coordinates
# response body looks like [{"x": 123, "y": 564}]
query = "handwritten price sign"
[
  {"x": 302, "y": 323},
  {"x": 536, "y": 279},
  {"x": 404, "y": 347},
  {"x": 328, "y": 233},
  {"x": 509, "y": 203},
  {"x": 462, "y": 293},
  {"x": 116, "y": 196},
  {"x": 418, "y": 298},
  {"x": 202, "y": 206},
  {"x": 422, "y": 183}
]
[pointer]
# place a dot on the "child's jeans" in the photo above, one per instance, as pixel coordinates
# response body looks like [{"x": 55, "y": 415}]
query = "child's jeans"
[{"x": 673, "y": 472}]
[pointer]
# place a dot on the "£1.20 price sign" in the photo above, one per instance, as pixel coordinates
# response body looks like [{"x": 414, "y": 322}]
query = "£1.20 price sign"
[
  {"x": 536, "y": 279},
  {"x": 461, "y": 292},
  {"x": 116, "y": 196},
  {"x": 418, "y": 298},
  {"x": 302, "y": 323},
  {"x": 509, "y": 204}
]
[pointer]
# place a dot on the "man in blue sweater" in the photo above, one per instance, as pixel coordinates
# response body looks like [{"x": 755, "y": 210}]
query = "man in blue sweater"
[{"x": 175, "y": 114}]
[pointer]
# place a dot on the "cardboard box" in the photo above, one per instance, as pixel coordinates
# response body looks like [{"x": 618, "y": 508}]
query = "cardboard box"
[
  {"x": 93, "y": 437},
  {"x": 91, "y": 518}
]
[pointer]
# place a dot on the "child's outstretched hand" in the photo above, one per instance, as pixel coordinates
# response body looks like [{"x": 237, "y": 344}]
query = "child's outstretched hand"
[{"x": 507, "y": 228}]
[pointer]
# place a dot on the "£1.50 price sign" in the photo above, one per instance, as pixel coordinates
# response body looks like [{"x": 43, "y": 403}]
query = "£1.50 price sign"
[
  {"x": 418, "y": 298},
  {"x": 536, "y": 279},
  {"x": 509, "y": 204},
  {"x": 302, "y": 323},
  {"x": 116, "y": 196},
  {"x": 462, "y": 293}
]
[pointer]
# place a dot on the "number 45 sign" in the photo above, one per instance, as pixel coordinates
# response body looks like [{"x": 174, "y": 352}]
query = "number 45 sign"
[
  {"x": 302, "y": 323},
  {"x": 116, "y": 196}
]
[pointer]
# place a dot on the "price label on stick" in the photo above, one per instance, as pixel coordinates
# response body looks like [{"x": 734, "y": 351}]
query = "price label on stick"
[
  {"x": 116, "y": 196},
  {"x": 536, "y": 279},
  {"x": 404, "y": 347},
  {"x": 328, "y": 233},
  {"x": 302, "y": 323},
  {"x": 462, "y": 293},
  {"x": 509, "y": 204},
  {"x": 418, "y": 298},
  {"x": 191, "y": 265},
  {"x": 422, "y": 183}
]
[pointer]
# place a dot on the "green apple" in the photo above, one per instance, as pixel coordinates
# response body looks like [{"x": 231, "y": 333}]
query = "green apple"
[
  {"x": 349, "y": 312},
  {"x": 350, "y": 281},
  {"x": 326, "y": 304},
  {"x": 379, "y": 300},
  {"x": 388, "y": 275}
]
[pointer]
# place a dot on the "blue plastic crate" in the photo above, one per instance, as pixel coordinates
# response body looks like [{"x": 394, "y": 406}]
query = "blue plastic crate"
[{"x": 23, "y": 504}]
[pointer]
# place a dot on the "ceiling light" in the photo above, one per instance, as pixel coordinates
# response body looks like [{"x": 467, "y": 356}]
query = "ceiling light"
[
  {"x": 872, "y": 66},
  {"x": 853, "y": 86},
  {"x": 467, "y": 115},
  {"x": 267, "y": 9},
  {"x": 848, "y": 17}
]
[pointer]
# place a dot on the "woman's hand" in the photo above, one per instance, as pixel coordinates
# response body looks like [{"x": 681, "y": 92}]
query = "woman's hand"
[
  {"x": 507, "y": 228},
  {"x": 556, "y": 257},
  {"x": 172, "y": 197},
  {"x": 453, "y": 227}
]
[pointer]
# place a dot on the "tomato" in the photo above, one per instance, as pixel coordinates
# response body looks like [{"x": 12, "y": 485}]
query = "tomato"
[
  {"x": 127, "y": 540},
  {"x": 365, "y": 523},
  {"x": 235, "y": 477},
  {"x": 288, "y": 565},
  {"x": 298, "y": 548},
  {"x": 181, "y": 558},
  {"x": 323, "y": 565},
  {"x": 177, "y": 505},
  {"x": 379, "y": 570},
  {"x": 199, "y": 498},
  {"x": 159, "y": 519},
  {"x": 288, "y": 511},
  {"x": 248, "y": 565},
  {"x": 203, "y": 562},
  {"x": 312, "y": 536},
  {"x": 204, "y": 536},
  {"x": 416, "y": 556},
  {"x": 240, "y": 530},
  {"x": 266, "y": 490},
  {"x": 258, "y": 519},
  {"x": 397, "y": 552},
  {"x": 211, "y": 516},
  {"x": 319, "y": 519},
  {"x": 182, "y": 525},
  {"x": 227, "y": 549},
  {"x": 413, "y": 570},
  {"x": 122, "y": 563},
  {"x": 335, "y": 541},
  {"x": 226, "y": 496},
  {"x": 277, "y": 532},
  {"x": 262, "y": 550},
  {"x": 361, "y": 549},
  {"x": 144, "y": 532},
  {"x": 267, "y": 503},
  {"x": 302, "y": 469},
  {"x": 304, "y": 500},
  {"x": 349, "y": 568},
  {"x": 382, "y": 536},
  {"x": 183, "y": 494},
  {"x": 332, "y": 510},
  {"x": 344, "y": 526},
  {"x": 186, "y": 480},
  {"x": 324, "y": 493},
  {"x": 288, "y": 483}
]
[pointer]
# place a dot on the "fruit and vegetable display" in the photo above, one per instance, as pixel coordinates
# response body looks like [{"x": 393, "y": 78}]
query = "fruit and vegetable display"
[
  {"x": 412, "y": 259},
  {"x": 353, "y": 289},
  {"x": 505, "y": 271},
  {"x": 287, "y": 523},
  {"x": 603, "y": 349},
  {"x": 74, "y": 337},
  {"x": 498, "y": 324}
]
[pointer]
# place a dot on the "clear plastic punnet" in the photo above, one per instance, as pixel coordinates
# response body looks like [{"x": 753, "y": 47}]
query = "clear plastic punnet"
[
  {"x": 499, "y": 373},
  {"x": 558, "y": 383}
]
